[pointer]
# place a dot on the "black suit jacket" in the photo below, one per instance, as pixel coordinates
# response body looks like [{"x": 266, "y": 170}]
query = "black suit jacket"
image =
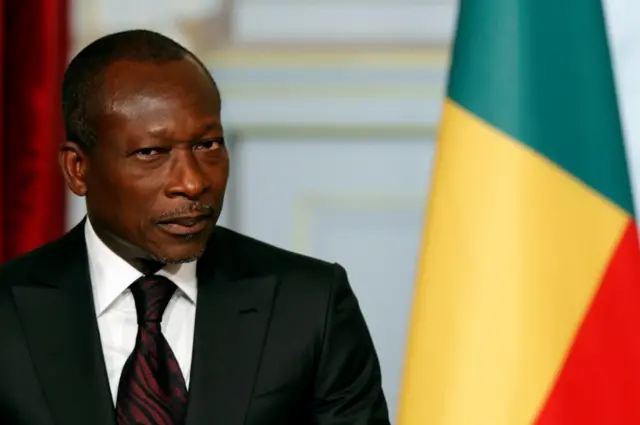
[{"x": 279, "y": 339}]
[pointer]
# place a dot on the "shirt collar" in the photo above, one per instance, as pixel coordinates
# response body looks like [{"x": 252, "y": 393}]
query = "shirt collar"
[{"x": 111, "y": 275}]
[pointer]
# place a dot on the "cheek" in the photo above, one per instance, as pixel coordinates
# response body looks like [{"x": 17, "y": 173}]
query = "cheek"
[
  {"x": 217, "y": 174},
  {"x": 140, "y": 200},
  {"x": 105, "y": 188},
  {"x": 220, "y": 177},
  {"x": 128, "y": 201}
]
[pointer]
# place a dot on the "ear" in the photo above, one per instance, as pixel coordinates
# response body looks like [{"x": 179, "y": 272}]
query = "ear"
[{"x": 74, "y": 162}]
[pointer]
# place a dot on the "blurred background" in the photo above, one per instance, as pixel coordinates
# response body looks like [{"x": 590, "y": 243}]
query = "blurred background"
[{"x": 331, "y": 110}]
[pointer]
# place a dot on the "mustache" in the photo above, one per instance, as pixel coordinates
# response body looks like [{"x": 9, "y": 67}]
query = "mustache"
[{"x": 196, "y": 207}]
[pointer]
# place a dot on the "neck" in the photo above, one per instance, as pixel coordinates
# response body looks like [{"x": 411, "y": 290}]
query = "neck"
[{"x": 135, "y": 256}]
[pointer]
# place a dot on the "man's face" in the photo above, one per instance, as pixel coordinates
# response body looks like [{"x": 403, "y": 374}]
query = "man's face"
[{"x": 157, "y": 176}]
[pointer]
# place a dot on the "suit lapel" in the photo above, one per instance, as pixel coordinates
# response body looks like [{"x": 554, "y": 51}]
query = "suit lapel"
[
  {"x": 57, "y": 314},
  {"x": 232, "y": 317}
]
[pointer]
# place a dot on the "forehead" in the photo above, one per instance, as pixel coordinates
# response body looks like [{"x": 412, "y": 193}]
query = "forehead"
[
  {"x": 184, "y": 78},
  {"x": 176, "y": 97}
]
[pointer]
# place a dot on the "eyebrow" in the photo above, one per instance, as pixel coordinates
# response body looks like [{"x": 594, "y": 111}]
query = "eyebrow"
[{"x": 209, "y": 126}]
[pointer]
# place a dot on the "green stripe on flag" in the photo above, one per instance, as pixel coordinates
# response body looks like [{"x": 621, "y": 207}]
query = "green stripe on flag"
[{"x": 543, "y": 75}]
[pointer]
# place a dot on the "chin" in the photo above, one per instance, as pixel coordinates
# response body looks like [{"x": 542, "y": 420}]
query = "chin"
[
  {"x": 188, "y": 249},
  {"x": 177, "y": 257},
  {"x": 179, "y": 249}
]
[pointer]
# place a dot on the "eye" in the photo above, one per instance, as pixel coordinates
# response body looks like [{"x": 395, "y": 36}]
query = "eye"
[
  {"x": 146, "y": 153},
  {"x": 211, "y": 144}
]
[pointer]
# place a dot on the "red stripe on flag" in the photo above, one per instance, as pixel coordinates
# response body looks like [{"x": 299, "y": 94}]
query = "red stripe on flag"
[{"x": 600, "y": 381}]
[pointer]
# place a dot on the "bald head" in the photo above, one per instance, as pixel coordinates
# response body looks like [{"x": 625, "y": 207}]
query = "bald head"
[{"x": 83, "y": 92}]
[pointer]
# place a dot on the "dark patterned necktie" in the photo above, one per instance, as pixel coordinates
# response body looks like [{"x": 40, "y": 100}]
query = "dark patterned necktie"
[{"x": 152, "y": 390}]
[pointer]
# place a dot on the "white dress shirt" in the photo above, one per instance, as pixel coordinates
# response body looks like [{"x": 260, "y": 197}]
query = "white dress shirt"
[{"x": 116, "y": 310}]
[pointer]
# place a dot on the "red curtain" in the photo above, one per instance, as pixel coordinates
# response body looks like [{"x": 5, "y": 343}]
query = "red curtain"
[{"x": 33, "y": 55}]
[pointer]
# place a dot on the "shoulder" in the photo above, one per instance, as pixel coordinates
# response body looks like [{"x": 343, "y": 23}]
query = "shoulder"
[
  {"x": 261, "y": 257},
  {"x": 16, "y": 269},
  {"x": 46, "y": 258},
  {"x": 297, "y": 273}
]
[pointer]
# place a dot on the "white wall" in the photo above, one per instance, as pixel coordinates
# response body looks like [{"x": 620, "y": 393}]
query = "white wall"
[{"x": 624, "y": 31}]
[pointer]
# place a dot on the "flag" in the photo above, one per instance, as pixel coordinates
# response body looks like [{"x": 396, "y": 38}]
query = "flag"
[
  {"x": 33, "y": 54},
  {"x": 527, "y": 300}
]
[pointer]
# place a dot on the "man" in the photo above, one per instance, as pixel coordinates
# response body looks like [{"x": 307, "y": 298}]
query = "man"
[{"x": 149, "y": 313}]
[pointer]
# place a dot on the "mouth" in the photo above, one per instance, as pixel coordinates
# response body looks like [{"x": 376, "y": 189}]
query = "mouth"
[{"x": 185, "y": 225}]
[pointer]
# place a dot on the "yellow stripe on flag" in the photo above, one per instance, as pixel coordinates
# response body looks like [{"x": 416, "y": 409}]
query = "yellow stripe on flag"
[{"x": 512, "y": 254}]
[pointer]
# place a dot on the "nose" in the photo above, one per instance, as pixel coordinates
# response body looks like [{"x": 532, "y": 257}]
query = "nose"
[{"x": 187, "y": 179}]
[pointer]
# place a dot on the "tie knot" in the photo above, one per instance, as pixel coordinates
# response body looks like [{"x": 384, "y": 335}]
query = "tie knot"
[{"x": 151, "y": 295}]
